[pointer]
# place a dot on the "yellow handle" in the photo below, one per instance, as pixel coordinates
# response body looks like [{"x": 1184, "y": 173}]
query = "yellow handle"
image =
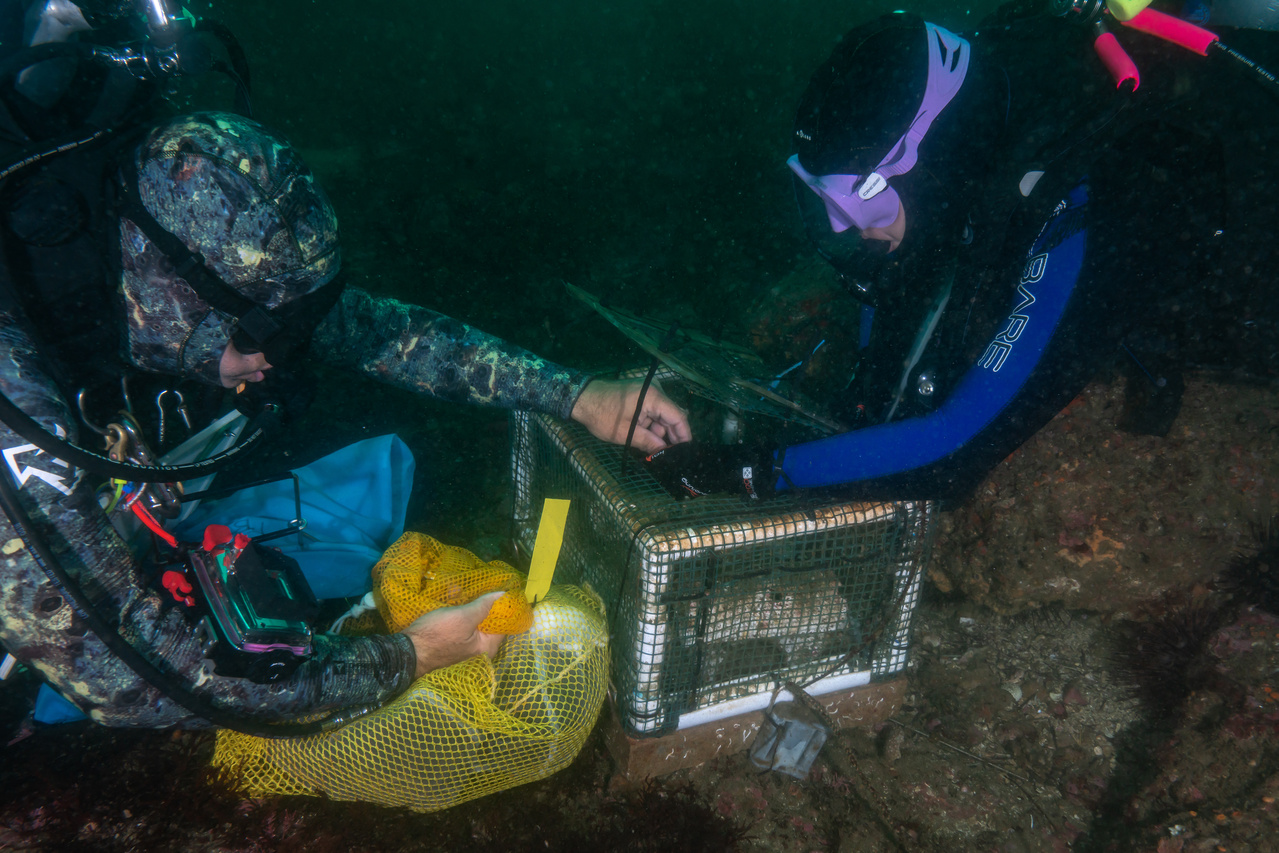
[
  {"x": 1126, "y": 10},
  {"x": 546, "y": 550}
]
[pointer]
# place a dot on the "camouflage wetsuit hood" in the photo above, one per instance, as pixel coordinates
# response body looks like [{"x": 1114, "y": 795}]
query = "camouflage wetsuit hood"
[{"x": 241, "y": 199}]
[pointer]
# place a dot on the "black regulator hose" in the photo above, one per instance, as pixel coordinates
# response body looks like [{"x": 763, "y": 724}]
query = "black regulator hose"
[
  {"x": 134, "y": 659},
  {"x": 30, "y": 429},
  {"x": 238, "y": 70},
  {"x": 1257, "y": 72}
]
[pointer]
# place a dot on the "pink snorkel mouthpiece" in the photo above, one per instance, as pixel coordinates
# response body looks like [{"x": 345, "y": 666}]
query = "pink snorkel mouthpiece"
[{"x": 854, "y": 201}]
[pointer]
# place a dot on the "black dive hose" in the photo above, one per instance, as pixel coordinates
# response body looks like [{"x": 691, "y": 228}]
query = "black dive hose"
[
  {"x": 21, "y": 423},
  {"x": 238, "y": 70},
  {"x": 30, "y": 429},
  {"x": 57, "y": 146},
  {"x": 1244, "y": 64},
  {"x": 149, "y": 672}
]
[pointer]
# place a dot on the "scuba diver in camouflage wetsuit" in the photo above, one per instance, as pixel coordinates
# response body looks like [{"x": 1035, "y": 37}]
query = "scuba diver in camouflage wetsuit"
[{"x": 197, "y": 247}]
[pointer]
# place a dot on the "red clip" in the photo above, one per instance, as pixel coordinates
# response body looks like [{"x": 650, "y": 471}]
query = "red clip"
[
  {"x": 215, "y": 536},
  {"x": 241, "y": 542},
  {"x": 178, "y": 586}
]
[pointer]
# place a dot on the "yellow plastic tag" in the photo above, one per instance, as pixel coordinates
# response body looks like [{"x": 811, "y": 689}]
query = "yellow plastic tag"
[
  {"x": 1126, "y": 10},
  {"x": 546, "y": 550}
]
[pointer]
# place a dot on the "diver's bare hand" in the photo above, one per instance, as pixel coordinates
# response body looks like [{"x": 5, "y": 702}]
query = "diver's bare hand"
[
  {"x": 607, "y": 406},
  {"x": 448, "y": 635}
]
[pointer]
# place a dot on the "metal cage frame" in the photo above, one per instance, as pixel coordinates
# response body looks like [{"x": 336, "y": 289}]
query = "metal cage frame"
[{"x": 715, "y": 603}]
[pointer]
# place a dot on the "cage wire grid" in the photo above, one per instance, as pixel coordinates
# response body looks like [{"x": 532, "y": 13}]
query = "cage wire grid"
[{"x": 714, "y": 599}]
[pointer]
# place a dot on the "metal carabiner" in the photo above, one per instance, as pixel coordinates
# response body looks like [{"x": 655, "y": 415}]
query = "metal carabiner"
[
  {"x": 1082, "y": 11},
  {"x": 119, "y": 441}
]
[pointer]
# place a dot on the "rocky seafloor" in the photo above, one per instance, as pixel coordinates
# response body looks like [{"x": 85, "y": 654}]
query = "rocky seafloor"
[{"x": 1091, "y": 671}]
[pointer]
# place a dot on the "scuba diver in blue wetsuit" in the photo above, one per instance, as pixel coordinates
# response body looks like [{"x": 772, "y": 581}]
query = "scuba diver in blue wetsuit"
[
  {"x": 1010, "y": 217},
  {"x": 199, "y": 249}
]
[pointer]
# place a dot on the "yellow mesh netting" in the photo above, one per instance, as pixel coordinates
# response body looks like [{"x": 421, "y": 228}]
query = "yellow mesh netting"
[
  {"x": 418, "y": 574},
  {"x": 461, "y": 732}
]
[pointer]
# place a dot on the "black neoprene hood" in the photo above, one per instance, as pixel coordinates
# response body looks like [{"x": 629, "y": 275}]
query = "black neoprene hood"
[{"x": 862, "y": 99}]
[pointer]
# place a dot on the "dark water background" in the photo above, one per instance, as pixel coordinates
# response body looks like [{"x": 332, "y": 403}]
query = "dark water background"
[{"x": 480, "y": 154}]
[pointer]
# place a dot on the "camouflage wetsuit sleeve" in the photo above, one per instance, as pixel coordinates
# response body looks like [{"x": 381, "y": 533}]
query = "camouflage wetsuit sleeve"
[
  {"x": 422, "y": 350},
  {"x": 40, "y": 628}
]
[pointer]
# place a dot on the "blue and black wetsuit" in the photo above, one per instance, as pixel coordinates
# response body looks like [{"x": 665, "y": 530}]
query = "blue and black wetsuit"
[
  {"x": 1121, "y": 242},
  {"x": 1015, "y": 384}
]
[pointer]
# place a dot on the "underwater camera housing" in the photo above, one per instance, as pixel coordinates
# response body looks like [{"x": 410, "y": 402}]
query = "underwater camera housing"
[
  {"x": 259, "y": 607},
  {"x": 251, "y": 604}
]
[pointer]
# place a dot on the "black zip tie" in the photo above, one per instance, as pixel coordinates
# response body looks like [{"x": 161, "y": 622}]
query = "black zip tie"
[
  {"x": 639, "y": 406},
  {"x": 667, "y": 341}
]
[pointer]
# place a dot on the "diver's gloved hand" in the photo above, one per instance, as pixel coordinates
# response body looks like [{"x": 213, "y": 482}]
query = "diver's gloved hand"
[
  {"x": 695, "y": 469},
  {"x": 289, "y": 391}
]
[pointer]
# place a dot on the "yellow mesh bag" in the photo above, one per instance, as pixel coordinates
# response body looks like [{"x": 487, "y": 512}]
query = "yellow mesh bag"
[
  {"x": 418, "y": 574},
  {"x": 461, "y": 732}
]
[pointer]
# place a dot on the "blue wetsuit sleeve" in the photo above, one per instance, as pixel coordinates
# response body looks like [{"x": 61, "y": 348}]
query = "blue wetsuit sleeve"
[{"x": 1031, "y": 368}]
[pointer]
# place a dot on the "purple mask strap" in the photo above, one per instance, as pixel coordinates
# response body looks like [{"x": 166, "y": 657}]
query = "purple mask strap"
[
  {"x": 947, "y": 66},
  {"x": 870, "y": 203}
]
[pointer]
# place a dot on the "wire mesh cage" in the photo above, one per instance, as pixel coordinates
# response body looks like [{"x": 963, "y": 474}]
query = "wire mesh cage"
[{"x": 713, "y": 602}]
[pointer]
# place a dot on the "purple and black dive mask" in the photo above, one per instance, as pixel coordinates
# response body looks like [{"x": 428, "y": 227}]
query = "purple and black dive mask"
[{"x": 869, "y": 201}]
